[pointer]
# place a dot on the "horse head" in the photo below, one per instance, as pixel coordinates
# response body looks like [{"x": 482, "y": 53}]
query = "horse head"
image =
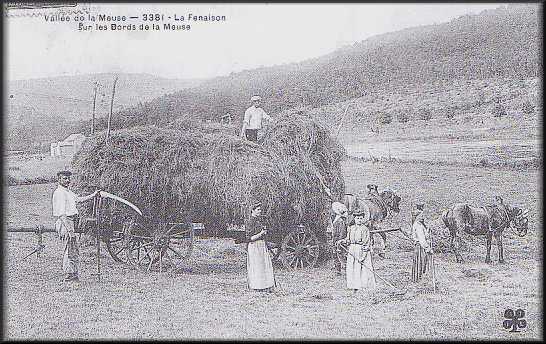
[
  {"x": 391, "y": 200},
  {"x": 520, "y": 220}
]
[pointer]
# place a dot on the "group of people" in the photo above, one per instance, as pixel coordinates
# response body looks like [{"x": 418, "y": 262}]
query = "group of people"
[{"x": 351, "y": 231}]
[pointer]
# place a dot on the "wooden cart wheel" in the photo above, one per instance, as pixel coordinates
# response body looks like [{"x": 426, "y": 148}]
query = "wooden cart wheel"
[
  {"x": 114, "y": 239},
  {"x": 163, "y": 248},
  {"x": 300, "y": 249}
]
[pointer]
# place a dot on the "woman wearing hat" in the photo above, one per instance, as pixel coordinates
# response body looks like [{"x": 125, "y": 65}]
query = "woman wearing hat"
[
  {"x": 258, "y": 261},
  {"x": 359, "y": 258},
  {"x": 423, "y": 248}
]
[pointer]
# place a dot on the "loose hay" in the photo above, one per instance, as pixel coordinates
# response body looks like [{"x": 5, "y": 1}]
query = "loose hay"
[{"x": 191, "y": 172}]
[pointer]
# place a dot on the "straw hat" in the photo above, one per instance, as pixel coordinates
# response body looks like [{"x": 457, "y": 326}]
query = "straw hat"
[
  {"x": 339, "y": 208},
  {"x": 255, "y": 98}
]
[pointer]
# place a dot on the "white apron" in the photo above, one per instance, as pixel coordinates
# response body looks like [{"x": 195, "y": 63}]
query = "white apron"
[
  {"x": 259, "y": 266},
  {"x": 359, "y": 274}
]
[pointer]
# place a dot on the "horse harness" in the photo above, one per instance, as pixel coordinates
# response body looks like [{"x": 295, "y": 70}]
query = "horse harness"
[
  {"x": 379, "y": 201},
  {"x": 490, "y": 211}
]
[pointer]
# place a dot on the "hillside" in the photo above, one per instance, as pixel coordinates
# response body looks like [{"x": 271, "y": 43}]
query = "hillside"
[
  {"x": 71, "y": 97},
  {"x": 500, "y": 43},
  {"x": 48, "y": 109}
]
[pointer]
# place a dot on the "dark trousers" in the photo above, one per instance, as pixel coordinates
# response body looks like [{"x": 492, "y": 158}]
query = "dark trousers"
[
  {"x": 339, "y": 231},
  {"x": 251, "y": 134}
]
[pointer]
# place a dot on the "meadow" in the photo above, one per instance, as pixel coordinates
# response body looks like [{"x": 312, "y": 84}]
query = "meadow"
[
  {"x": 471, "y": 157},
  {"x": 209, "y": 299}
]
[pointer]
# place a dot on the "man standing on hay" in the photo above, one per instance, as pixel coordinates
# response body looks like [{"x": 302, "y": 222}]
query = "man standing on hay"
[
  {"x": 360, "y": 271},
  {"x": 423, "y": 246},
  {"x": 65, "y": 211},
  {"x": 252, "y": 121},
  {"x": 258, "y": 261}
]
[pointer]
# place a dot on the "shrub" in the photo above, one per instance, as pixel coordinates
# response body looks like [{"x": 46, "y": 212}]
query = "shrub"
[
  {"x": 425, "y": 114},
  {"x": 450, "y": 112},
  {"x": 484, "y": 162},
  {"x": 403, "y": 116},
  {"x": 498, "y": 110},
  {"x": 384, "y": 118},
  {"x": 528, "y": 108}
]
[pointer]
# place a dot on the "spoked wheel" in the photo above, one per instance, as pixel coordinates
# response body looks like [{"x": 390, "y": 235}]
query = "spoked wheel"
[
  {"x": 300, "y": 249},
  {"x": 114, "y": 238},
  {"x": 163, "y": 248}
]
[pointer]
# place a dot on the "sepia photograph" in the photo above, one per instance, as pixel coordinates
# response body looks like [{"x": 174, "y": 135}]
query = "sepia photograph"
[{"x": 272, "y": 171}]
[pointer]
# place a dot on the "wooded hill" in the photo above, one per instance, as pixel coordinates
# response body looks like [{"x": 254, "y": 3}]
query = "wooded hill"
[{"x": 499, "y": 43}]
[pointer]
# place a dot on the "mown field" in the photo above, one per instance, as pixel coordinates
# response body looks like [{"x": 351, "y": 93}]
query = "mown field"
[
  {"x": 431, "y": 161},
  {"x": 34, "y": 169},
  {"x": 209, "y": 299}
]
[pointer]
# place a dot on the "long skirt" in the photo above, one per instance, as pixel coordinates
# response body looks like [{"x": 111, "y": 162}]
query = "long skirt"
[
  {"x": 259, "y": 266},
  {"x": 419, "y": 266},
  {"x": 359, "y": 272},
  {"x": 71, "y": 252}
]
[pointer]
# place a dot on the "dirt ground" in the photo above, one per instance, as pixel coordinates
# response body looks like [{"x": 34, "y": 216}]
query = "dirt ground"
[{"x": 209, "y": 299}]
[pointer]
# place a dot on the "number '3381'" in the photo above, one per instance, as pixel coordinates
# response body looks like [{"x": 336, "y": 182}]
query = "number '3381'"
[{"x": 152, "y": 17}]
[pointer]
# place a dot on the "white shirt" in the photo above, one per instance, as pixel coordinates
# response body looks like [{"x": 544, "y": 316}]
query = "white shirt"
[
  {"x": 254, "y": 116},
  {"x": 421, "y": 234},
  {"x": 64, "y": 202}
]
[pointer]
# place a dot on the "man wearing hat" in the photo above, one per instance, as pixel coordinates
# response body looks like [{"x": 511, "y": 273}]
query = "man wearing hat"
[
  {"x": 423, "y": 244},
  {"x": 372, "y": 190},
  {"x": 339, "y": 231},
  {"x": 258, "y": 261},
  {"x": 360, "y": 272},
  {"x": 66, "y": 214},
  {"x": 253, "y": 118}
]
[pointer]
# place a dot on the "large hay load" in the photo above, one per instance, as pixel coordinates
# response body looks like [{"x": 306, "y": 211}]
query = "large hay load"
[{"x": 194, "y": 172}]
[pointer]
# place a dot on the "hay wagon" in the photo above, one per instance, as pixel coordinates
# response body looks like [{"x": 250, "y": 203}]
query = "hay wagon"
[
  {"x": 193, "y": 173},
  {"x": 153, "y": 246}
]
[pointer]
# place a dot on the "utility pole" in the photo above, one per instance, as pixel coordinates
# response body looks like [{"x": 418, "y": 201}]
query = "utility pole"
[
  {"x": 111, "y": 107},
  {"x": 94, "y": 100}
]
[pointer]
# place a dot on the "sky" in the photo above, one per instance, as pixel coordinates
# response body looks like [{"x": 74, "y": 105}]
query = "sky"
[{"x": 252, "y": 36}]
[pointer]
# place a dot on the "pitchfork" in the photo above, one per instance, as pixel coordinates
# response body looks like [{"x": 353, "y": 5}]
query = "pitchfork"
[{"x": 396, "y": 290}]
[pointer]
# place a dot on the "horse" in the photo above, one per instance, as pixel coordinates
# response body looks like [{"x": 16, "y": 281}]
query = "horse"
[
  {"x": 380, "y": 207},
  {"x": 489, "y": 221}
]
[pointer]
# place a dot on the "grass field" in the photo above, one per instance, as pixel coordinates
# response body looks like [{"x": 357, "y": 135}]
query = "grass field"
[
  {"x": 34, "y": 169},
  {"x": 210, "y": 300}
]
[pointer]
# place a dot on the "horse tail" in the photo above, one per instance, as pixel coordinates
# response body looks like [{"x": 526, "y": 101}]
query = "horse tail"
[{"x": 446, "y": 218}]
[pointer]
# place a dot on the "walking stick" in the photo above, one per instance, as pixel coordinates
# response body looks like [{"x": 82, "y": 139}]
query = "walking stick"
[
  {"x": 397, "y": 291},
  {"x": 275, "y": 282},
  {"x": 432, "y": 264},
  {"x": 96, "y": 213}
]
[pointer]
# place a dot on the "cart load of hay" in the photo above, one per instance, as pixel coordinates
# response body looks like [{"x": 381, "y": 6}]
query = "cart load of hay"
[{"x": 189, "y": 172}]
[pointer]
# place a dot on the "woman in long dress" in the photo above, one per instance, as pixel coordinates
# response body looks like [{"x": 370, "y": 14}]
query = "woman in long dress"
[
  {"x": 423, "y": 248},
  {"x": 359, "y": 258},
  {"x": 258, "y": 261}
]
